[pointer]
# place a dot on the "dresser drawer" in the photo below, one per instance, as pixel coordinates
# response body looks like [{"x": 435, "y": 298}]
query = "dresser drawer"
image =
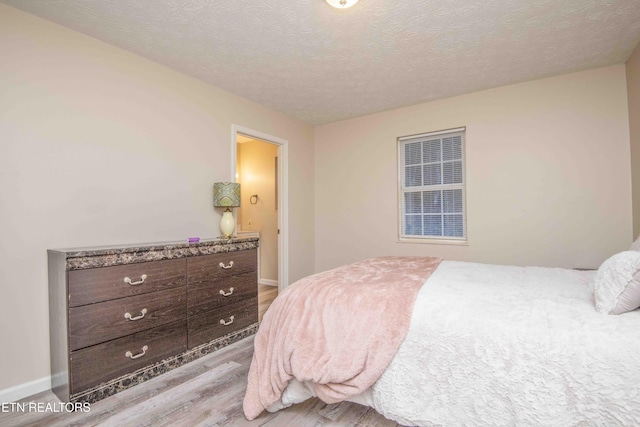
[
  {"x": 208, "y": 326},
  {"x": 94, "y": 365},
  {"x": 211, "y": 295},
  {"x": 95, "y": 323},
  {"x": 106, "y": 283},
  {"x": 217, "y": 266}
]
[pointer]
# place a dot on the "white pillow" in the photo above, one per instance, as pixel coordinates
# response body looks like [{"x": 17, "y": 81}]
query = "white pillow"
[
  {"x": 617, "y": 284},
  {"x": 635, "y": 246}
]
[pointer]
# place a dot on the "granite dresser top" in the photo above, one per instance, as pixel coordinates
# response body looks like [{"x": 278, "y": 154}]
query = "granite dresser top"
[{"x": 105, "y": 256}]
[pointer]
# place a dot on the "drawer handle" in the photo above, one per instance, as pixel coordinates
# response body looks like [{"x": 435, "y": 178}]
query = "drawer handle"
[
  {"x": 222, "y": 321},
  {"x": 137, "y": 356},
  {"x": 139, "y": 282},
  {"x": 226, "y": 294},
  {"x": 226, "y": 267},
  {"x": 142, "y": 314}
]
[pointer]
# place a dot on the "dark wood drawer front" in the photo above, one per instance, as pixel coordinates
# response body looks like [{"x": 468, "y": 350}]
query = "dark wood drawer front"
[
  {"x": 217, "y": 266},
  {"x": 96, "y": 323},
  {"x": 207, "y": 326},
  {"x": 208, "y": 296},
  {"x": 94, "y": 365},
  {"x": 106, "y": 283}
]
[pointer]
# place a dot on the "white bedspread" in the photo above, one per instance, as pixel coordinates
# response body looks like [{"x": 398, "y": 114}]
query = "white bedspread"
[{"x": 510, "y": 346}]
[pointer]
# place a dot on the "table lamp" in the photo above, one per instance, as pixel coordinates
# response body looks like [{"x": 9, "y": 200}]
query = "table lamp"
[{"x": 226, "y": 195}]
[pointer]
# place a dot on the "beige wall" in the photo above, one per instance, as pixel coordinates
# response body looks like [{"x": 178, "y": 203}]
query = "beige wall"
[
  {"x": 548, "y": 175},
  {"x": 257, "y": 175},
  {"x": 633, "y": 93},
  {"x": 99, "y": 146}
]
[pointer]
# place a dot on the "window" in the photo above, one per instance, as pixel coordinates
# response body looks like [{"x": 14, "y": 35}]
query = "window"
[{"x": 432, "y": 186}]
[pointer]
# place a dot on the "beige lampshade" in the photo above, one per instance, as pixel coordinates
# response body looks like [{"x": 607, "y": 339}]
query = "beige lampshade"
[{"x": 226, "y": 194}]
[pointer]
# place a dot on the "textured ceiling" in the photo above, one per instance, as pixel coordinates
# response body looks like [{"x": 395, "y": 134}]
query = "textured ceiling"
[{"x": 321, "y": 64}]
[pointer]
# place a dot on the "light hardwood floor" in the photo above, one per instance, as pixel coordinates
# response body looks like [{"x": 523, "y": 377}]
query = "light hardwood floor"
[
  {"x": 206, "y": 392},
  {"x": 266, "y": 294}
]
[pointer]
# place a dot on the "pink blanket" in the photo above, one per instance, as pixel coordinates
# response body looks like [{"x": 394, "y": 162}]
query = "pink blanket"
[{"x": 338, "y": 329}]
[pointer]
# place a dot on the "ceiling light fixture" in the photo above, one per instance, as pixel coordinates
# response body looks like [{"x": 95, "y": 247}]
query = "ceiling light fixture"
[{"x": 342, "y": 4}]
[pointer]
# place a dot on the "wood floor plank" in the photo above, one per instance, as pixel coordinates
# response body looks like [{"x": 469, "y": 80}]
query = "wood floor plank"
[
  {"x": 153, "y": 410},
  {"x": 207, "y": 392},
  {"x": 266, "y": 295}
]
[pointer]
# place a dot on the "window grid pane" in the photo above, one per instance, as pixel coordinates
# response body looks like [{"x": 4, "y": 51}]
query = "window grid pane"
[
  {"x": 453, "y": 226},
  {"x": 431, "y": 151},
  {"x": 413, "y": 225},
  {"x": 432, "y": 202},
  {"x": 412, "y": 153},
  {"x": 452, "y": 172},
  {"x": 433, "y": 225},
  {"x": 413, "y": 176},
  {"x": 452, "y": 201},
  {"x": 452, "y": 148},
  {"x": 432, "y": 174},
  {"x": 413, "y": 202}
]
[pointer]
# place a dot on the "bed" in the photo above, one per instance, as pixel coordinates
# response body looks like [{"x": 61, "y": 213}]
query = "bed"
[{"x": 484, "y": 345}]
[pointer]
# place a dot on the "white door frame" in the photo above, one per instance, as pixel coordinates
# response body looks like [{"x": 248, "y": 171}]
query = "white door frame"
[{"x": 283, "y": 193}]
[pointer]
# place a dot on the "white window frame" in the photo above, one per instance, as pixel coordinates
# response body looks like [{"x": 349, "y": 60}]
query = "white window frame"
[{"x": 402, "y": 189}]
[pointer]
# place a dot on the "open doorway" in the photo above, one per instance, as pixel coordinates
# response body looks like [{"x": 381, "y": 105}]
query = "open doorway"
[
  {"x": 259, "y": 164},
  {"x": 256, "y": 171}
]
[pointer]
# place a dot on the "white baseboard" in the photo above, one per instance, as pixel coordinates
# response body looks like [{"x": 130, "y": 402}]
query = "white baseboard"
[
  {"x": 268, "y": 282},
  {"x": 20, "y": 391}
]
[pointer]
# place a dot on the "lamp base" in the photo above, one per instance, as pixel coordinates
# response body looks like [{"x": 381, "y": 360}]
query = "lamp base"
[{"x": 227, "y": 224}]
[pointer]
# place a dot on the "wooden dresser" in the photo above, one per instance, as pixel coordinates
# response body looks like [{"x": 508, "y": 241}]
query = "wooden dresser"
[{"x": 121, "y": 315}]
